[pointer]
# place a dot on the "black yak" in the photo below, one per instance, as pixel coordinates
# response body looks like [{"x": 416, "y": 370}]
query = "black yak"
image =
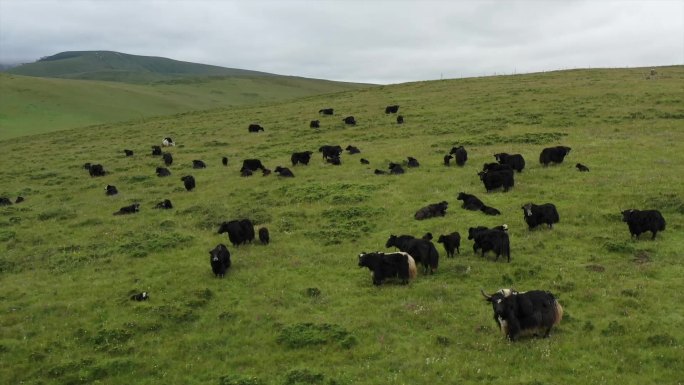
[
  {"x": 364, "y": 161},
  {"x": 451, "y": 242},
  {"x": 165, "y": 204},
  {"x": 168, "y": 142},
  {"x": 531, "y": 312},
  {"x": 535, "y": 215},
  {"x": 252, "y": 165},
  {"x": 96, "y": 170},
  {"x": 219, "y": 258},
  {"x": 111, "y": 190},
  {"x": 254, "y": 128},
  {"x": 128, "y": 152},
  {"x": 400, "y": 119},
  {"x": 168, "y": 158},
  {"x": 421, "y": 250},
  {"x": 315, "y": 124},
  {"x": 516, "y": 161},
  {"x": 132, "y": 209},
  {"x": 224, "y": 160},
  {"x": 239, "y": 231},
  {"x": 460, "y": 154},
  {"x": 264, "y": 236},
  {"x": 156, "y": 151},
  {"x": 284, "y": 172},
  {"x": 330, "y": 151},
  {"x": 581, "y": 167},
  {"x": 326, "y": 111},
  {"x": 352, "y": 149},
  {"x": 389, "y": 265},
  {"x": 349, "y": 120},
  {"x": 144, "y": 296},
  {"x": 641, "y": 221},
  {"x": 300, "y": 157},
  {"x": 495, "y": 179},
  {"x": 432, "y": 210},
  {"x": 553, "y": 155},
  {"x": 412, "y": 162},
  {"x": 198, "y": 164},
  {"x": 391, "y": 109},
  {"x": 188, "y": 182},
  {"x": 495, "y": 240},
  {"x": 163, "y": 171}
]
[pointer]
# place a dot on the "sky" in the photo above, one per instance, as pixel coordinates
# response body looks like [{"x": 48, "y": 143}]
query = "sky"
[{"x": 370, "y": 41}]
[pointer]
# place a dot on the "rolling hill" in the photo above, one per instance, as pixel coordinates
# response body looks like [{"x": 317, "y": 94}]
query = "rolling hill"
[
  {"x": 300, "y": 310},
  {"x": 74, "y": 89}
]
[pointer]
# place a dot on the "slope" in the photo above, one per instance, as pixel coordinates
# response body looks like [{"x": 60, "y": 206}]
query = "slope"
[{"x": 300, "y": 310}]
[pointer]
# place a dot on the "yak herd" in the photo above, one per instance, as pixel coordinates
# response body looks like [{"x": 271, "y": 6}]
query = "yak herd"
[{"x": 516, "y": 313}]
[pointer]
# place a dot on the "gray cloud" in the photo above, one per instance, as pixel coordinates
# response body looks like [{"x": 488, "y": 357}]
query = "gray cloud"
[{"x": 364, "y": 41}]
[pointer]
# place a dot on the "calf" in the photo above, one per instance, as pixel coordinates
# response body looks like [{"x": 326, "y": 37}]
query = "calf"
[
  {"x": 581, "y": 167},
  {"x": 451, "y": 242},
  {"x": 516, "y": 161},
  {"x": 165, "y": 205},
  {"x": 447, "y": 158},
  {"x": 495, "y": 179},
  {"x": 326, "y": 111},
  {"x": 334, "y": 160},
  {"x": 284, "y": 172},
  {"x": 389, "y": 265},
  {"x": 432, "y": 210},
  {"x": 400, "y": 119},
  {"x": 188, "y": 182},
  {"x": 132, "y": 209},
  {"x": 641, "y": 221},
  {"x": 301, "y": 157},
  {"x": 111, "y": 190},
  {"x": 198, "y": 164},
  {"x": 553, "y": 155},
  {"x": 329, "y": 151},
  {"x": 535, "y": 215},
  {"x": 315, "y": 124},
  {"x": 349, "y": 120},
  {"x": 391, "y": 109},
  {"x": 460, "y": 154},
  {"x": 264, "y": 236},
  {"x": 421, "y": 250},
  {"x": 96, "y": 170},
  {"x": 254, "y": 128},
  {"x": 246, "y": 172},
  {"x": 353, "y": 150},
  {"x": 265, "y": 172},
  {"x": 495, "y": 240},
  {"x": 219, "y": 258},
  {"x": 168, "y": 158},
  {"x": 163, "y": 171},
  {"x": 19, "y": 199},
  {"x": 224, "y": 160},
  {"x": 529, "y": 312},
  {"x": 128, "y": 152},
  {"x": 364, "y": 161}
]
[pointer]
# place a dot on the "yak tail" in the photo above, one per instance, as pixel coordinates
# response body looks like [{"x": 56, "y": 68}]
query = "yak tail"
[
  {"x": 558, "y": 313},
  {"x": 434, "y": 257},
  {"x": 507, "y": 248},
  {"x": 411, "y": 267}
]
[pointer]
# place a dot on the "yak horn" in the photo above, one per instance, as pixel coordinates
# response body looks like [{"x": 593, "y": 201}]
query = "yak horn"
[{"x": 485, "y": 295}]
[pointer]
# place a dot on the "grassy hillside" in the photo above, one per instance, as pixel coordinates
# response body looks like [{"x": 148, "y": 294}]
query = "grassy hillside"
[
  {"x": 121, "y": 67},
  {"x": 300, "y": 310},
  {"x": 30, "y": 105}
]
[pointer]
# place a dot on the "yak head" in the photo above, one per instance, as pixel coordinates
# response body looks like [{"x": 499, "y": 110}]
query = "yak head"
[
  {"x": 627, "y": 214},
  {"x": 528, "y": 209},
  {"x": 391, "y": 241},
  {"x": 502, "y": 301}
]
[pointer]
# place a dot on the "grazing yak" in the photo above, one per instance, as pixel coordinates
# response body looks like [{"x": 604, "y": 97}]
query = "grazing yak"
[
  {"x": 391, "y": 109},
  {"x": 412, "y": 162},
  {"x": 451, "y": 242},
  {"x": 224, "y": 160},
  {"x": 144, "y": 296},
  {"x": 252, "y": 165},
  {"x": 284, "y": 172},
  {"x": 132, "y": 209},
  {"x": 553, "y": 155},
  {"x": 396, "y": 169},
  {"x": 641, "y": 221},
  {"x": 301, "y": 157},
  {"x": 427, "y": 236},
  {"x": 239, "y": 231},
  {"x": 400, "y": 119},
  {"x": 581, "y": 167},
  {"x": 219, "y": 258},
  {"x": 516, "y": 161},
  {"x": 315, "y": 124},
  {"x": 96, "y": 170},
  {"x": 326, "y": 111},
  {"x": 264, "y": 236},
  {"x": 163, "y": 171},
  {"x": 165, "y": 204},
  {"x": 168, "y": 142},
  {"x": 525, "y": 313},
  {"x": 168, "y": 158},
  {"x": 111, "y": 190},
  {"x": 329, "y": 151},
  {"x": 188, "y": 182},
  {"x": 198, "y": 164},
  {"x": 495, "y": 179},
  {"x": 349, "y": 120},
  {"x": 352, "y": 150},
  {"x": 128, "y": 152},
  {"x": 495, "y": 240},
  {"x": 254, "y": 128},
  {"x": 432, "y": 210},
  {"x": 156, "y": 151},
  {"x": 460, "y": 154},
  {"x": 4, "y": 201},
  {"x": 389, "y": 265},
  {"x": 535, "y": 215},
  {"x": 421, "y": 250},
  {"x": 364, "y": 161}
]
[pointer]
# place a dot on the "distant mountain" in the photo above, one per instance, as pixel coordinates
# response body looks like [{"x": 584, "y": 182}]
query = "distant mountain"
[{"x": 121, "y": 67}]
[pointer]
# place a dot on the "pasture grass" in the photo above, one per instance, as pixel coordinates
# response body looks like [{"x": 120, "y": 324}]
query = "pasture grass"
[{"x": 300, "y": 310}]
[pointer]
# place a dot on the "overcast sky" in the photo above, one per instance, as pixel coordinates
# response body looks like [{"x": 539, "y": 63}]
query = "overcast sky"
[{"x": 356, "y": 40}]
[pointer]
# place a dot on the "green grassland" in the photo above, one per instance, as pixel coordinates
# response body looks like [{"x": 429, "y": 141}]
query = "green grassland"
[
  {"x": 32, "y": 105},
  {"x": 300, "y": 310}
]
